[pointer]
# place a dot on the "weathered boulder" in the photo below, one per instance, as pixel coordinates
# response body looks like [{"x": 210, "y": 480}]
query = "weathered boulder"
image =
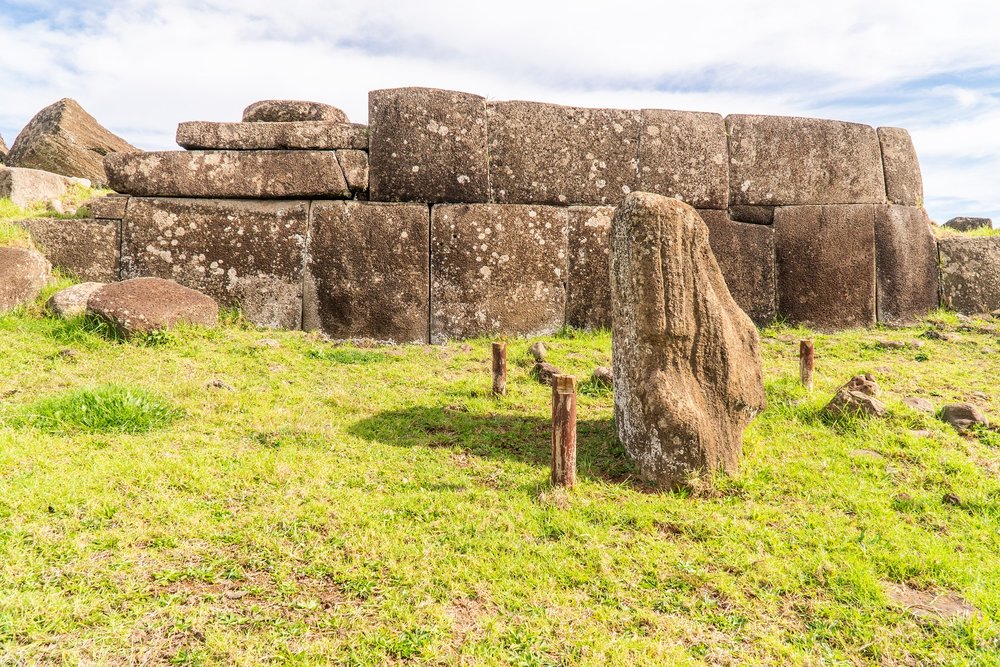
[
  {"x": 685, "y": 155},
  {"x": 23, "y": 274},
  {"x": 72, "y": 301},
  {"x": 967, "y": 224},
  {"x": 963, "y": 416},
  {"x": 143, "y": 305},
  {"x": 785, "y": 161},
  {"x": 857, "y": 398},
  {"x": 603, "y": 376},
  {"x": 228, "y": 174},
  {"x": 303, "y": 135},
  {"x": 65, "y": 139},
  {"x": 686, "y": 358},
  {"x": 552, "y": 154},
  {"x": 86, "y": 249},
  {"x": 903, "y": 182},
  {"x": 906, "y": 261},
  {"x": 919, "y": 404},
  {"x": 367, "y": 271},
  {"x": 745, "y": 253},
  {"x": 3, "y": 150},
  {"x": 970, "y": 273},
  {"x": 588, "y": 288},
  {"x": 25, "y": 187},
  {"x": 290, "y": 111},
  {"x": 427, "y": 145}
]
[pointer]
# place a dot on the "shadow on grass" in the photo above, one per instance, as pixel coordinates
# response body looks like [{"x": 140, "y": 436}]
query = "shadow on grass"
[{"x": 526, "y": 439}]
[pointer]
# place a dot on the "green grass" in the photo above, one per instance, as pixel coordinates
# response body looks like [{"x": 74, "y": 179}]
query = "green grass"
[{"x": 371, "y": 506}]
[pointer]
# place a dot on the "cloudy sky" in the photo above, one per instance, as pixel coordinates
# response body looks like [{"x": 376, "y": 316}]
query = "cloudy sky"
[{"x": 142, "y": 66}]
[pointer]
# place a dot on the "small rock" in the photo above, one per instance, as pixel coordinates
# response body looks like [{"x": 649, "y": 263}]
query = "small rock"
[
  {"x": 919, "y": 404},
  {"x": 951, "y": 499},
  {"x": 920, "y": 433},
  {"x": 891, "y": 344},
  {"x": 538, "y": 351},
  {"x": 544, "y": 372},
  {"x": 857, "y": 398},
  {"x": 57, "y": 207},
  {"x": 603, "y": 376},
  {"x": 69, "y": 354},
  {"x": 903, "y": 498},
  {"x": 234, "y": 595},
  {"x": 866, "y": 384},
  {"x": 218, "y": 384},
  {"x": 980, "y": 395},
  {"x": 72, "y": 301},
  {"x": 963, "y": 416},
  {"x": 917, "y": 344},
  {"x": 934, "y": 334},
  {"x": 142, "y": 305},
  {"x": 268, "y": 342}
]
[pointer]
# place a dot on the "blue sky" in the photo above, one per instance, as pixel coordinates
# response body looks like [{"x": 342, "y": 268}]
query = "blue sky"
[{"x": 142, "y": 66}]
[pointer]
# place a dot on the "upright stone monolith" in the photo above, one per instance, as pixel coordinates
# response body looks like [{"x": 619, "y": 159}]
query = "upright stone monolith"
[{"x": 687, "y": 366}]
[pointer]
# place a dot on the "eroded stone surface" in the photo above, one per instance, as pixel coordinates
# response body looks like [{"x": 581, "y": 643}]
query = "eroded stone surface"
[
  {"x": 552, "y": 154},
  {"x": 84, "y": 248},
  {"x": 23, "y": 274},
  {"x": 3, "y": 150},
  {"x": 368, "y": 271},
  {"x": 967, "y": 224},
  {"x": 305, "y": 135},
  {"x": 745, "y": 253},
  {"x": 72, "y": 301},
  {"x": 108, "y": 208},
  {"x": 687, "y": 365},
  {"x": 427, "y": 145},
  {"x": 755, "y": 215},
  {"x": 497, "y": 269},
  {"x": 904, "y": 184},
  {"x": 355, "y": 167},
  {"x": 290, "y": 111},
  {"x": 685, "y": 155},
  {"x": 783, "y": 161},
  {"x": 65, "y": 139},
  {"x": 143, "y": 305},
  {"x": 588, "y": 294},
  {"x": 825, "y": 259},
  {"x": 970, "y": 273},
  {"x": 906, "y": 260},
  {"x": 228, "y": 174},
  {"x": 25, "y": 187},
  {"x": 246, "y": 254}
]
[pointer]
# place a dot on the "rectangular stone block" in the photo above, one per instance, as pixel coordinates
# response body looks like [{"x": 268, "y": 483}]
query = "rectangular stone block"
[
  {"x": 305, "y": 135},
  {"x": 368, "y": 271},
  {"x": 903, "y": 183},
  {"x": 745, "y": 254},
  {"x": 25, "y": 187},
  {"x": 86, "y": 249},
  {"x": 427, "y": 145},
  {"x": 970, "y": 273},
  {"x": 755, "y": 215},
  {"x": 551, "y": 154},
  {"x": 355, "y": 167},
  {"x": 246, "y": 254},
  {"x": 825, "y": 257},
  {"x": 685, "y": 155},
  {"x": 588, "y": 295},
  {"x": 108, "y": 208},
  {"x": 906, "y": 261},
  {"x": 228, "y": 174},
  {"x": 784, "y": 161},
  {"x": 497, "y": 269}
]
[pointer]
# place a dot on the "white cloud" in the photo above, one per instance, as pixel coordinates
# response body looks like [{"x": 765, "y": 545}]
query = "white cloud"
[{"x": 141, "y": 66}]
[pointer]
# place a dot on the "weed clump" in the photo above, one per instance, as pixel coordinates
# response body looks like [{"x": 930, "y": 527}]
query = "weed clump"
[{"x": 105, "y": 409}]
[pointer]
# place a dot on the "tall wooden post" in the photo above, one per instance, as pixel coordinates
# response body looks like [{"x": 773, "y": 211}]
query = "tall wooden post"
[
  {"x": 564, "y": 430},
  {"x": 500, "y": 369},
  {"x": 806, "y": 360}
]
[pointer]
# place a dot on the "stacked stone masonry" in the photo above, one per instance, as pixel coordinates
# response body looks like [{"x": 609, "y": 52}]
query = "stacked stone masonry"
[{"x": 451, "y": 216}]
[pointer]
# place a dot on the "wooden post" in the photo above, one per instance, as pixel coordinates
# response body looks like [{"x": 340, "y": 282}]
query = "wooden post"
[
  {"x": 500, "y": 369},
  {"x": 564, "y": 431},
  {"x": 806, "y": 359}
]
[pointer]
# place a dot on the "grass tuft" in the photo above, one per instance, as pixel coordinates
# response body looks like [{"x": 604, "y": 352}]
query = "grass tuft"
[{"x": 105, "y": 409}]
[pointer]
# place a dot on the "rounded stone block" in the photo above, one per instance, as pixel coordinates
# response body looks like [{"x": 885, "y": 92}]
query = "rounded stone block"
[
  {"x": 685, "y": 155},
  {"x": 25, "y": 187},
  {"x": 904, "y": 184},
  {"x": 144, "y": 305},
  {"x": 906, "y": 264},
  {"x": 289, "y": 111}
]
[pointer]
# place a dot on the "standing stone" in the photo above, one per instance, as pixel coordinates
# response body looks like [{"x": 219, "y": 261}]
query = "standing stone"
[
  {"x": 685, "y": 155},
  {"x": 588, "y": 293},
  {"x": 783, "y": 161},
  {"x": 25, "y": 187},
  {"x": 246, "y": 254},
  {"x": 825, "y": 257},
  {"x": 23, "y": 274},
  {"x": 687, "y": 364},
  {"x": 552, "y": 154},
  {"x": 745, "y": 254},
  {"x": 3, "y": 150},
  {"x": 65, "y": 139},
  {"x": 368, "y": 271},
  {"x": 427, "y": 145},
  {"x": 970, "y": 273},
  {"x": 303, "y": 135},
  {"x": 903, "y": 182},
  {"x": 144, "y": 305},
  {"x": 906, "y": 259},
  {"x": 85, "y": 249},
  {"x": 290, "y": 111},
  {"x": 497, "y": 269},
  {"x": 967, "y": 224}
]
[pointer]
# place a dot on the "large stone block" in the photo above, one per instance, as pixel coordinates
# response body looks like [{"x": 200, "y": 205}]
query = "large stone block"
[
  {"x": 228, "y": 174},
  {"x": 588, "y": 294},
  {"x": 368, "y": 271},
  {"x": 970, "y": 273},
  {"x": 906, "y": 264},
  {"x": 784, "y": 161},
  {"x": 108, "y": 208},
  {"x": 551, "y": 154},
  {"x": 825, "y": 257},
  {"x": 497, "y": 269},
  {"x": 427, "y": 145},
  {"x": 745, "y": 253},
  {"x": 320, "y": 136},
  {"x": 685, "y": 155},
  {"x": 25, "y": 187},
  {"x": 290, "y": 111},
  {"x": 903, "y": 182},
  {"x": 86, "y": 249},
  {"x": 248, "y": 254}
]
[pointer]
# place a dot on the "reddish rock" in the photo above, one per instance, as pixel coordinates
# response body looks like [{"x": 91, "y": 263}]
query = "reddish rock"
[
  {"x": 290, "y": 111},
  {"x": 685, "y": 155},
  {"x": 144, "y": 305}
]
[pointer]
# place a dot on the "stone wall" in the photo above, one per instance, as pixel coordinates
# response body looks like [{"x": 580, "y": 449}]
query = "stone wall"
[{"x": 452, "y": 216}]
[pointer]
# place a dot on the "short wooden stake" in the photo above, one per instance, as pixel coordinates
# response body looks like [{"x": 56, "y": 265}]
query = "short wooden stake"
[
  {"x": 806, "y": 360},
  {"x": 500, "y": 369},
  {"x": 564, "y": 430}
]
